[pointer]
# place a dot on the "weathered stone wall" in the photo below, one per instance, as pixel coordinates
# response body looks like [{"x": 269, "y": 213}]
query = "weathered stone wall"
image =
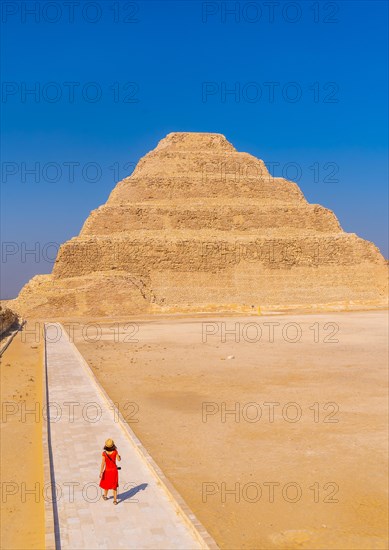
[
  {"x": 145, "y": 254},
  {"x": 249, "y": 217}
]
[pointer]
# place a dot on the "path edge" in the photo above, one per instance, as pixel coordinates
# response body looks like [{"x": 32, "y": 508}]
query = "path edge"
[
  {"x": 205, "y": 540},
  {"x": 10, "y": 337},
  {"x": 50, "y": 540}
]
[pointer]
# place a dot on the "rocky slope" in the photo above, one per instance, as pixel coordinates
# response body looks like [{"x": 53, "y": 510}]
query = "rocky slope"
[{"x": 8, "y": 318}]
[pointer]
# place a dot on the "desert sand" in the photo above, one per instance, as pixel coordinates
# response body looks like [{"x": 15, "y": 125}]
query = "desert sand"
[
  {"x": 22, "y": 513},
  {"x": 311, "y": 476}
]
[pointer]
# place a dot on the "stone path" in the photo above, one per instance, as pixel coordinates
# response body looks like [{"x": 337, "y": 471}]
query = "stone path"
[{"x": 149, "y": 514}]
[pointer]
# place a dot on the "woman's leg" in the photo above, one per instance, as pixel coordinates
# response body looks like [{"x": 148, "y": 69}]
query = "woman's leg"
[
  {"x": 105, "y": 494},
  {"x": 115, "y": 495}
]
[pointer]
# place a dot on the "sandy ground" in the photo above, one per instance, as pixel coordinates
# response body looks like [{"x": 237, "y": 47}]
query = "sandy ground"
[
  {"x": 310, "y": 474},
  {"x": 21, "y": 465}
]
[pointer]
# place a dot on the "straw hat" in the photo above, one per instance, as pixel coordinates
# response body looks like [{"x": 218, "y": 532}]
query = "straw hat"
[{"x": 109, "y": 443}]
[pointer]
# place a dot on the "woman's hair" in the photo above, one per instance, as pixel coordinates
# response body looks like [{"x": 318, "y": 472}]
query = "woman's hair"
[{"x": 109, "y": 448}]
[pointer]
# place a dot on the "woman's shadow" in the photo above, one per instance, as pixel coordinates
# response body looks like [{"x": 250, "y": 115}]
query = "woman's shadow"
[{"x": 131, "y": 492}]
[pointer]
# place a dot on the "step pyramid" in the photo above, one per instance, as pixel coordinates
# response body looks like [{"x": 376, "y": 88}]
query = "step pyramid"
[{"x": 201, "y": 227}]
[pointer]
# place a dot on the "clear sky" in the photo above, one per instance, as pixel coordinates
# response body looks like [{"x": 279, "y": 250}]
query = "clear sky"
[{"x": 90, "y": 87}]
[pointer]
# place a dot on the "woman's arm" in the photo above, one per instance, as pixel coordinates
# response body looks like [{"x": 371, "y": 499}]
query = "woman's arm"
[
  {"x": 119, "y": 457},
  {"x": 102, "y": 466}
]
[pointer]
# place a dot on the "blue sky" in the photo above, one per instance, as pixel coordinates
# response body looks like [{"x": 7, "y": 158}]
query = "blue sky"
[{"x": 113, "y": 78}]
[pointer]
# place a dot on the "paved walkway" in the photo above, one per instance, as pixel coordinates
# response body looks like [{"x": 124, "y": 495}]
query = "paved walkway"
[{"x": 148, "y": 514}]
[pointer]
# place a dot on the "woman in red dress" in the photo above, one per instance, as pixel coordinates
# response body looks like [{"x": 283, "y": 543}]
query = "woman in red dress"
[{"x": 109, "y": 478}]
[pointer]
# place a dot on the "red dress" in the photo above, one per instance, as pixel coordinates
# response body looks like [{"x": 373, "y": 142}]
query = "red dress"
[{"x": 110, "y": 477}]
